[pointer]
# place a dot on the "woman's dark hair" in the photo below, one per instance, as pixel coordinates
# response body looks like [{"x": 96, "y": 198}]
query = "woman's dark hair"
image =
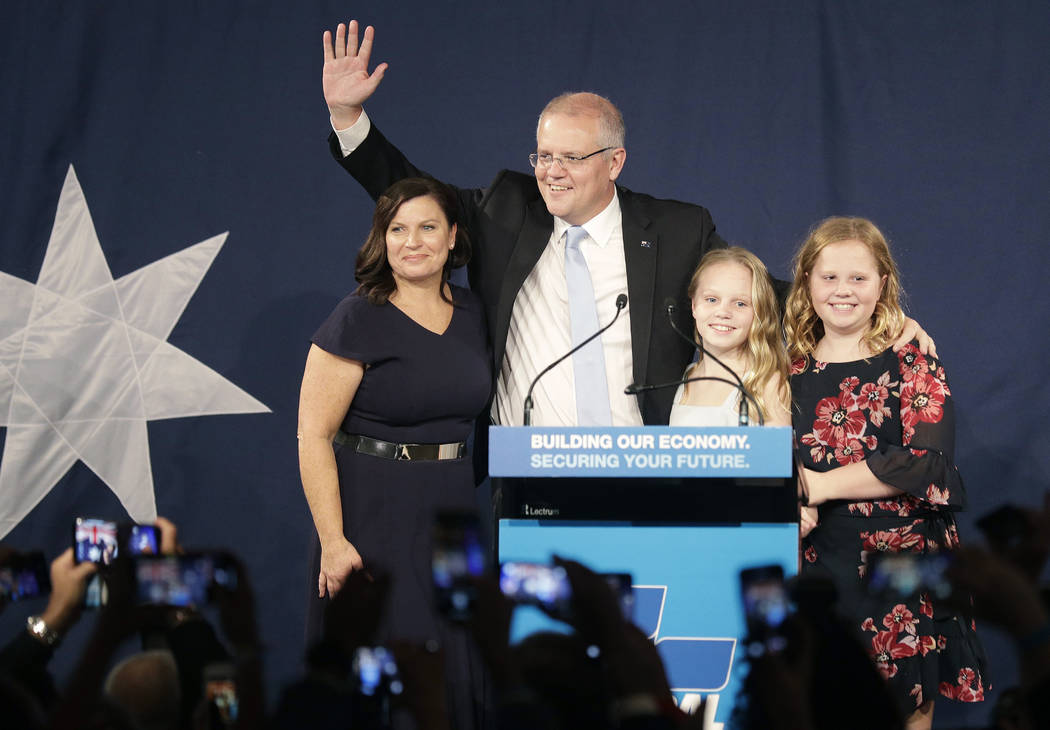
[{"x": 373, "y": 273}]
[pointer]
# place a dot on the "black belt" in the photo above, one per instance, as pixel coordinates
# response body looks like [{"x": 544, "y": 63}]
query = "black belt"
[{"x": 400, "y": 452}]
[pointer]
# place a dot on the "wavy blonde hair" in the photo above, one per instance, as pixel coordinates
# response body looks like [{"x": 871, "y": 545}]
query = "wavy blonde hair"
[
  {"x": 803, "y": 327},
  {"x": 765, "y": 353}
]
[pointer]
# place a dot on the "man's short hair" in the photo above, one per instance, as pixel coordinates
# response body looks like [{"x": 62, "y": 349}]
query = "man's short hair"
[{"x": 611, "y": 129}]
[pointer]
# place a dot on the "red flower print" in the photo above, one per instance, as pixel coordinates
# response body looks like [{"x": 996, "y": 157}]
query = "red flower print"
[
  {"x": 888, "y": 670},
  {"x": 863, "y": 508},
  {"x": 966, "y": 690},
  {"x": 868, "y": 625},
  {"x": 937, "y": 496},
  {"x": 922, "y": 401},
  {"x": 918, "y": 452},
  {"x": 816, "y": 453},
  {"x": 838, "y": 419},
  {"x": 798, "y": 365},
  {"x": 848, "y": 384},
  {"x": 897, "y": 540},
  {"x": 916, "y": 692},
  {"x": 941, "y": 642},
  {"x": 927, "y": 644},
  {"x": 810, "y": 554},
  {"x": 849, "y": 453},
  {"x": 819, "y": 365},
  {"x": 925, "y": 607},
  {"x": 887, "y": 645},
  {"x": 912, "y": 362},
  {"x": 873, "y": 397},
  {"x": 900, "y": 619}
]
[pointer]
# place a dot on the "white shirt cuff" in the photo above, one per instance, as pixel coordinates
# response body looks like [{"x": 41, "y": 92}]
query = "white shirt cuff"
[{"x": 352, "y": 137}]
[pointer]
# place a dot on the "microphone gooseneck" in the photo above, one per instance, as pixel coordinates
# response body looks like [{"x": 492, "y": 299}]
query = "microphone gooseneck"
[
  {"x": 671, "y": 308},
  {"x": 621, "y": 304}
]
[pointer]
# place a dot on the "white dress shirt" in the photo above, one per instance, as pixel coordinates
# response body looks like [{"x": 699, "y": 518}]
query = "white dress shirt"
[{"x": 539, "y": 322}]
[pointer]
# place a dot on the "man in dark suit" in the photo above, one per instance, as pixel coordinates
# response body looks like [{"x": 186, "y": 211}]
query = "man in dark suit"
[{"x": 635, "y": 245}]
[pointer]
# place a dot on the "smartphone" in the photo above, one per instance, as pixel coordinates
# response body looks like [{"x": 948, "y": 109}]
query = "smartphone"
[
  {"x": 535, "y": 584},
  {"x": 376, "y": 680},
  {"x": 24, "y": 576},
  {"x": 220, "y": 695},
  {"x": 906, "y": 575},
  {"x": 1005, "y": 526},
  {"x": 183, "y": 580},
  {"x": 458, "y": 558},
  {"x": 140, "y": 539},
  {"x": 766, "y": 607},
  {"x": 94, "y": 540}
]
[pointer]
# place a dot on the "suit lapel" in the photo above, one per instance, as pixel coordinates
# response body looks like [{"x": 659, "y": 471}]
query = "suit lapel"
[
  {"x": 533, "y": 238},
  {"x": 640, "y": 247}
]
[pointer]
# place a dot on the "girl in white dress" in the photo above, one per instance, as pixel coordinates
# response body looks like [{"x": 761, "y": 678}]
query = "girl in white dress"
[{"x": 737, "y": 320}]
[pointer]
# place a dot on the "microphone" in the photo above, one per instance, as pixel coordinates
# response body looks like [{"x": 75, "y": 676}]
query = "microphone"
[
  {"x": 671, "y": 307},
  {"x": 621, "y": 304}
]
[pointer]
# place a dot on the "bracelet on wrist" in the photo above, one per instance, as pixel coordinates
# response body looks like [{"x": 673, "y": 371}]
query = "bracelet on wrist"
[{"x": 42, "y": 632}]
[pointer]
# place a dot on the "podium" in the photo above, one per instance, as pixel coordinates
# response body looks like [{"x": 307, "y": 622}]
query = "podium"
[{"x": 682, "y": 510}]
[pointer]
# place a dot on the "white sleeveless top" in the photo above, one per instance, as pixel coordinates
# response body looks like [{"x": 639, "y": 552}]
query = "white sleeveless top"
[{"x": 726, "y": 414}]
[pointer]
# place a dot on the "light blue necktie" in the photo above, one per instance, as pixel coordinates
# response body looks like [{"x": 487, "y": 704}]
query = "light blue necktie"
[{"x": 588, "y": 364}]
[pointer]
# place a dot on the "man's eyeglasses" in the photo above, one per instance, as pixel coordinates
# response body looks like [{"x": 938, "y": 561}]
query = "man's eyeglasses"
[{"x": 566, "y": 161}]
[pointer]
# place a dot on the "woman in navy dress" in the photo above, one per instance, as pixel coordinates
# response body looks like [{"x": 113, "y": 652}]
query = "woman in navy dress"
[
  {"x": 876, "y": 435},
  {"x": 395, "y": 377}
]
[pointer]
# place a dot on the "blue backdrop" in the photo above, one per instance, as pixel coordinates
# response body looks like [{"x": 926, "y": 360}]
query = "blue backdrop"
[{"x": 187, "y": 119}]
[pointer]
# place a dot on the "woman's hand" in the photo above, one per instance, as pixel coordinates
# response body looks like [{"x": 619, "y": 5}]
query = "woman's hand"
[
  {"x": 807, "y": 519},
  {"x": 914, "y": 331},
  {"x": 337, "y": 562}
]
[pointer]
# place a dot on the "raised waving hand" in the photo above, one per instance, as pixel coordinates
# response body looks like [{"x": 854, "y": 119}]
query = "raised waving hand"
[{"x": 345, "y": 78}]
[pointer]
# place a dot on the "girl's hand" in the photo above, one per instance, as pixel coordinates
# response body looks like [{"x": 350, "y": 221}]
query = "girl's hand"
[{"x": 807, "y": 520}]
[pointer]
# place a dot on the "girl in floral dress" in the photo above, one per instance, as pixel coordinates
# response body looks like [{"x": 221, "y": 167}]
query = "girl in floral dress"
[{"x": 876, "y": 434}]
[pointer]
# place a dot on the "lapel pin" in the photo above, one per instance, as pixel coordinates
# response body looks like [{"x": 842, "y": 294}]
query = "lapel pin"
[{"x": 646, "y": 244}]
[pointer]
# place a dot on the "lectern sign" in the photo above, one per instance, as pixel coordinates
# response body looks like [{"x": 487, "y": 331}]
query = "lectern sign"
[{"x": 650, "y": 451}]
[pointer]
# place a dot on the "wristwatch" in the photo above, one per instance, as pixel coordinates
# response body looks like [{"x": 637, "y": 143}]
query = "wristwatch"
[{"x": 41, "y": 631}]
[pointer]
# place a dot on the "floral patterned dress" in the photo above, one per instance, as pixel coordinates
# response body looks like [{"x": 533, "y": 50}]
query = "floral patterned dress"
[{"x": 895, "y": 412}]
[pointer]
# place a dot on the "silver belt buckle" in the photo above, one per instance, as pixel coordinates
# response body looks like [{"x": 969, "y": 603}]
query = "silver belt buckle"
[{"x": 402, "y": 453}]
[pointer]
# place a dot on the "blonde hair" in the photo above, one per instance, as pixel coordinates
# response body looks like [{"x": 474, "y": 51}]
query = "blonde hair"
[
  {"x": 766, "y": 357},
  {"x": 803, "y": 327}
]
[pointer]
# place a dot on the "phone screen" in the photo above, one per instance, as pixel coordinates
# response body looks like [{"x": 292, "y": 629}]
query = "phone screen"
[
  {"x": 143, "y": 540},
  {"x": 536, "y": 584},
  {"x": 94, "y": 540},
  {"x": 24, "y": 576},
  {"x": 220, "y": 694},
  {"x": 766, "y": 607},
  {"x": 906, "y": 575},
  {"x": 458, "y": 557},
  {"x": 182, "y": 580}
]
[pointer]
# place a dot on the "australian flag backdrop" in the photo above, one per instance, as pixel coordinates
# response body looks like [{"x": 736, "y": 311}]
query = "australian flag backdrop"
[{"x": 173, "y": 229}]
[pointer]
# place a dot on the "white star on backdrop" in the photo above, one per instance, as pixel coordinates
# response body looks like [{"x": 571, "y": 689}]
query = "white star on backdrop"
[{"x": 84, "y": 364}]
